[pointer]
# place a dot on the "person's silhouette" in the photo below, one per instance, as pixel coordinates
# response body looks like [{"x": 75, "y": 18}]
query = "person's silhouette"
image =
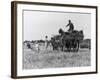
[
  {"x": 71, "y": 26},
  {"x": 46, "y": 42}
]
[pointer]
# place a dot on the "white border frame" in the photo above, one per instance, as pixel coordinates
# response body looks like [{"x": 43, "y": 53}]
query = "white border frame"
[{"x": 36, "y": 72}]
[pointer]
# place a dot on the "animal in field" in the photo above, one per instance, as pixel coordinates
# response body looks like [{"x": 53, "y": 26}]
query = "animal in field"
[
  {"x": 71, "y": 40},
  {"x": 56, "y": 42}
]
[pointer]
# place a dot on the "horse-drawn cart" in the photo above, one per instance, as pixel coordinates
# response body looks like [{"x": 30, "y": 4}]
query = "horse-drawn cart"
[{"x": 67, "y": 40}]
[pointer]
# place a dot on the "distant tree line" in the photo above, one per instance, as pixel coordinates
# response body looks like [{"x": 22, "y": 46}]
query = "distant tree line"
[
  {"x": 33, "y": 41},
  {"x": 86, "y": 43}
]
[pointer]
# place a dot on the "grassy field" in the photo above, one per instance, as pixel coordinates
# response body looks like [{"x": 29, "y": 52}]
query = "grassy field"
[{"x": 53, "y": 59}]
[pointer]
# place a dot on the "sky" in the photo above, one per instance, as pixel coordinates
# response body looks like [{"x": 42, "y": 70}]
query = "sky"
[{"x": 38, "y": 24}]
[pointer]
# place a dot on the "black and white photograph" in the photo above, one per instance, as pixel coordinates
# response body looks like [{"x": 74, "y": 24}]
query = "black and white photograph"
[{"x": 55, "y": 39}]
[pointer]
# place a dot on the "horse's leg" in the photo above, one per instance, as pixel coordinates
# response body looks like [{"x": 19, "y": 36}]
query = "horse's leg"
[
  {"x": 53, "y": 48},
  {"x": 70, "y": 45},
  {"x": 78, "y": 45},
  {"x": 74, "y": 45},
  {"x": 62, "y": 48}
]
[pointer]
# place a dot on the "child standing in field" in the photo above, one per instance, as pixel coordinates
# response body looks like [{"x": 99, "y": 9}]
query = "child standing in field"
[
  {"x": 46, "y": 42},
  {"x": 37, "y": 46}
]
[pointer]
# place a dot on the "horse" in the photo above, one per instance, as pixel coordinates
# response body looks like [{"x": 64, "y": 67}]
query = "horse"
[
  {"x": 71, "y": 39},
  {"x": 56, "y": 42}
]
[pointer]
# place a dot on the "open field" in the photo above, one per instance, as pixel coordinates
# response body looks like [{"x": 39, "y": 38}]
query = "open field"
[{"x": 52, "y": 59}]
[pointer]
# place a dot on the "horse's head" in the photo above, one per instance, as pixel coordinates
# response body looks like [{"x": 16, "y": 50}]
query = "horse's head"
[
  {"x": 81, "y": 31},
  {"x": 81, "y": 34},
  {"x": 61, "y": 31}
]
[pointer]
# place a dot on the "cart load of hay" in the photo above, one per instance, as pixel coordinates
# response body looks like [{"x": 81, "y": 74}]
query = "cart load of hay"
[{"x": 77, "y": 35}]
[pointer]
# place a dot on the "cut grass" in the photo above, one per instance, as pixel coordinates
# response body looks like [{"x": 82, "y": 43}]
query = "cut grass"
[{"x": 55, "y": 59}]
